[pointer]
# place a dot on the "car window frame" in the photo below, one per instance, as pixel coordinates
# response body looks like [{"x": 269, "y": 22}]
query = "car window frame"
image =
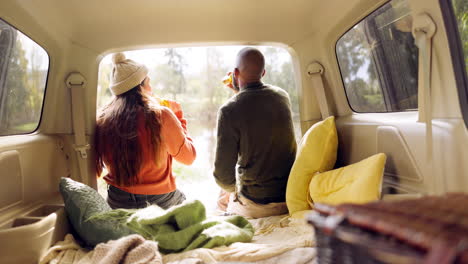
[
  {"x": 415, "y": 110},
  {"x": 46, "y": 79}
]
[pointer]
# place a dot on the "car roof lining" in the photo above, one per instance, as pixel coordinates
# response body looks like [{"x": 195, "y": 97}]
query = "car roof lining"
[{"x": 106, "y": 24}]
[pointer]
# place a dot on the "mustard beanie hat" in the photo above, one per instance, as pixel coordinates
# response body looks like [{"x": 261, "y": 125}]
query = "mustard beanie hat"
[{"x": 126, "y": 74}]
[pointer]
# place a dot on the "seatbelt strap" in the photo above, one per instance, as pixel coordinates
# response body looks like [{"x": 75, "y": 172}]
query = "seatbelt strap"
[
  {"x": 423, "y": 30},
  {"x": 76, "y": 82},
  {"x": 315, "y": 71}
]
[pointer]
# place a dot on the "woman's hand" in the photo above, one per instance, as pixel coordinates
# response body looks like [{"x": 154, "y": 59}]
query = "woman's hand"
[{"x": 176, "y": 108}]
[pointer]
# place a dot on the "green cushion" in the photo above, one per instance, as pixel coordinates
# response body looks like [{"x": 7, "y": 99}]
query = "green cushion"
[{"x": 82, "y": 202}]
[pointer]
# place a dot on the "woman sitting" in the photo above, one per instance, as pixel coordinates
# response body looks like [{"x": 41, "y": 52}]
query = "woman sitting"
[{"x": 137, "y": 138}]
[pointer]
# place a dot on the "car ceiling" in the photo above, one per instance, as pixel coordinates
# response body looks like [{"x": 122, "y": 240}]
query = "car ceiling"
[{"x": 101, "y": 25}]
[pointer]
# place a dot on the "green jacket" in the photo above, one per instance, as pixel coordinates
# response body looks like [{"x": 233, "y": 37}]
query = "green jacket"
[{"x": 255, "y": 143}]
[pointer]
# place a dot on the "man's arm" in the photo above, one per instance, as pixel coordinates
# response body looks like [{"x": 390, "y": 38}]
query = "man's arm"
[{"x": 227, "y": 149}]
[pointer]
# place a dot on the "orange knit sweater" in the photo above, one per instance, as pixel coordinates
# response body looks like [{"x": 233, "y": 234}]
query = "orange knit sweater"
[{"x": 157, "y": 177}]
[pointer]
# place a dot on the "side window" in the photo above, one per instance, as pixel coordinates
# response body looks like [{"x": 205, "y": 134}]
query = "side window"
[
  {"x": 378, "y": 61},
  {"x": 23, "y": 73},
  {"x": 460, "y": 8},
  {"x": 456, "y": 25}
]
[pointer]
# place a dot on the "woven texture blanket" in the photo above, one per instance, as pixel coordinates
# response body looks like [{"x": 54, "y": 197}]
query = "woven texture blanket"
[
  {"x": 183, "y": 227},
  {"x": 130, "y": 249}
]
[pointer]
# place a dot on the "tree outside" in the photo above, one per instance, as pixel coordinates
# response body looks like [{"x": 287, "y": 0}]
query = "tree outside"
[
  {"x": 379, "y": 61},
  {"x": 23, "y": 74},
  {"x": 461, "y": 14}
]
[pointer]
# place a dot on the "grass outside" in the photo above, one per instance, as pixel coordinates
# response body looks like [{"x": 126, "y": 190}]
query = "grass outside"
[
  {"x": 28, "y": 127},
  {"x": 19, "y": 129}
]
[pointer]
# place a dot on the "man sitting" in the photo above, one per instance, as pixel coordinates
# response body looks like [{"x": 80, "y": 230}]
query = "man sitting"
[{"x": 255, "y": 142}]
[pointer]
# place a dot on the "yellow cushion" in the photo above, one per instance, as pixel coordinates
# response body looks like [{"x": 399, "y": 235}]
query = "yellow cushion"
[
  {"x": 316, "y": 153},
  {"x": 357, "y": 183}
]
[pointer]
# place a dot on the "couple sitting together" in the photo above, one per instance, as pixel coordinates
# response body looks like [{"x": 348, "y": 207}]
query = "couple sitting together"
[{"x": 138, "y": 136}]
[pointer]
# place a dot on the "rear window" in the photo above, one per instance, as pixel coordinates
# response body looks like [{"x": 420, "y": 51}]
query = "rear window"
[
  {"x": 378, "y": 61},
  {"x": 193, "y": 77},
  {"x": 23, "y": 74}
]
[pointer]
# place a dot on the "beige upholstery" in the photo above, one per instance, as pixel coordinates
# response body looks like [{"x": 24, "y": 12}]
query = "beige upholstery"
[{"x": 78, "y": 33}]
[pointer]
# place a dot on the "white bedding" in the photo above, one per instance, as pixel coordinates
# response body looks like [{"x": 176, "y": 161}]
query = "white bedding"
[{"x": 277, "y": 239}]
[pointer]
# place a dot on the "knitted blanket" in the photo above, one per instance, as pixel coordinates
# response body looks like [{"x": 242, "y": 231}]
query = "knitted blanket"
[{"x": 183, "y": 227}]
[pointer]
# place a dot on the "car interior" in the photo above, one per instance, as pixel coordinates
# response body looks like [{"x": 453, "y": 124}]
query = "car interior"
[{"x": 392, "y": 73}]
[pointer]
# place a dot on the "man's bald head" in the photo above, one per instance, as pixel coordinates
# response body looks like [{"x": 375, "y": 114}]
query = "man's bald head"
[{"x": 251, "y": 64}]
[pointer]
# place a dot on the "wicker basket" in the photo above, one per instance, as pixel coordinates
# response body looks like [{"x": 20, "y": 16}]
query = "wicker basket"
[
  {"x": 426, "y": 230},
  {"x": 350, "y": 245}
]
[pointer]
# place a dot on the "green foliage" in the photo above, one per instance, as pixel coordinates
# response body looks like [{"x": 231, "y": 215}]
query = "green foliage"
[
  {"x": 461, "y": 13},
  {"x": 103, "y": 92},
  {"x": 24, "y": 85},
  {"x": 378, "y": 61},
  {"x": 183, "y": 172},
  {"x": 27, "y": 127},
  {"x": 16, "y": 85},
  {"x": 280, "y": 73},
  {"x": 173, "y": 82},
  {"x": 353, "y": 56}
]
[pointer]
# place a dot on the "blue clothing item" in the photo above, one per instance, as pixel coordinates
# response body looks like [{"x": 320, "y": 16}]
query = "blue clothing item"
[{"x": 118, "y": 198}]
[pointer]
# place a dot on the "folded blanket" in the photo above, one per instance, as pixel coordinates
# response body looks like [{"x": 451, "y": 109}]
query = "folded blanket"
[
  {"x": 132, "y": 249},
  {"x": 183, "y": 227},
  {"x": 127, "y": 250}
]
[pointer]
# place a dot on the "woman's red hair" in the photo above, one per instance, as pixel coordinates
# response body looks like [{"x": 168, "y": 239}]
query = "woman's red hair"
[{"x": 117, "y": 139}]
